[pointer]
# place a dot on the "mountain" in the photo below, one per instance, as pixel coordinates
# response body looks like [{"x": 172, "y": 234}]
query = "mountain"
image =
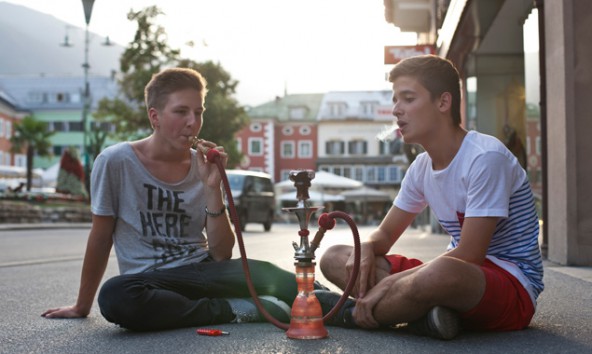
[{"x": 30, "y": 45}]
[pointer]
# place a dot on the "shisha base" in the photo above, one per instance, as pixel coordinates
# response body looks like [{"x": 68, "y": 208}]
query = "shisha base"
[{"x": 307, "y": 314}]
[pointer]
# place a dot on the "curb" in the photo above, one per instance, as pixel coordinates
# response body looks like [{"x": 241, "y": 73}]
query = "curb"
[{"x": 57, "y": 225}]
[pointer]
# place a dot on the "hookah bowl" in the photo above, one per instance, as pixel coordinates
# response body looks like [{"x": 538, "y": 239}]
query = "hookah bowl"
[{"x": 307, "y": 316}]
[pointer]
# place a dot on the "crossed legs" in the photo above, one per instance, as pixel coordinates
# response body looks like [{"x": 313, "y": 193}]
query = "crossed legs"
[{"x": 408, "y": 295}]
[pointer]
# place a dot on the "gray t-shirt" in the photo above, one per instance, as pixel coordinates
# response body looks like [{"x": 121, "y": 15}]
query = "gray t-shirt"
[{"x": 158, "y": 224}]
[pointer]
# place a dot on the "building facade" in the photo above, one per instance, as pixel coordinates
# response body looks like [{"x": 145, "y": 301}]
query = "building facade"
[
  {"x": 10, "y": 114},
  {"x": 281, "y": 136},
  {"x": 58, "y": 101},
  {"x": 349, "y": 123},
  {"x": 334, "y": 132}
]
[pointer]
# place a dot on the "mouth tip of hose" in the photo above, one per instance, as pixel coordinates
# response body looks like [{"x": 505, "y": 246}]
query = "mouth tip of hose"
[{"x": 212, "y": 155}]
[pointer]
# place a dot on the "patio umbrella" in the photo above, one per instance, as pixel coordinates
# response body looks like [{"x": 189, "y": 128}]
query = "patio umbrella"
[
  {"x": 314, "y": 197},
  {"x": 366, "y": 194},
  {"x": 325, "y": 180}
]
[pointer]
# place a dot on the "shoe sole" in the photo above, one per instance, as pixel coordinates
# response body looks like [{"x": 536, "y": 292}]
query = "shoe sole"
[{"x": 445, "y": 322}]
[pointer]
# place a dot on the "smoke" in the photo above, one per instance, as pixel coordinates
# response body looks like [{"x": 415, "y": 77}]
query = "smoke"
[{"x": 388, "y": 133}]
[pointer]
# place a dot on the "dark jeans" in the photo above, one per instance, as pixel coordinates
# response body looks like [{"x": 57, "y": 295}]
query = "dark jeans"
[{"x": 190, "y": 295}]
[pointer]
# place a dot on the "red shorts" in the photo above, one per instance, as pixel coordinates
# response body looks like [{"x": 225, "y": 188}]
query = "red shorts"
[{"x": 505, "y": 305}]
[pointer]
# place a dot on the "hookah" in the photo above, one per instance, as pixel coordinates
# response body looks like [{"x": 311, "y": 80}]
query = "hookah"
[{"x": 307, "y": 321}]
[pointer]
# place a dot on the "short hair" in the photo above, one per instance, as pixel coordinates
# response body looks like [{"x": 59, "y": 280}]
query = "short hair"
[
  {"x": 436, "y": 74},
  {"x": 169, "y": 81}
]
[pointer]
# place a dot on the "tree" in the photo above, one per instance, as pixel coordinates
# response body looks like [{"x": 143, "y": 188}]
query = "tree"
[
  {"x": 146, "y": 55},
  {"x": 33, "y": 136},
  {"x": 143, "y": 57},
  {"x": 223, "y": 116}
]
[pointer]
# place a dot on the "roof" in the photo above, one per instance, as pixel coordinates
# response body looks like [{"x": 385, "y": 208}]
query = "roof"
[
  {"x": 9, "y": 103},
  {"x": 294, "y": 107},
  {"x": 365, "y": 105},
  {"x": 56, "y": 92}
]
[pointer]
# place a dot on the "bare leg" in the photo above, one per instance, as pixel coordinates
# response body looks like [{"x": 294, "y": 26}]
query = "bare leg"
[
  {"x": 408, "y": 295},
  {"x": 333, "y": 262}
]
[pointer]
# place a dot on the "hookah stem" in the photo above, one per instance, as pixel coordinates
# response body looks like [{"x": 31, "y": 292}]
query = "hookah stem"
[
  {"x": 355, "y": 270},
  {"x": 241, "y": 246}
]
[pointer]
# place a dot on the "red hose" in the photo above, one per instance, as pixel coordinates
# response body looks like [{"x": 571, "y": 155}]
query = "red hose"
[{"x": 213, "y": 156}]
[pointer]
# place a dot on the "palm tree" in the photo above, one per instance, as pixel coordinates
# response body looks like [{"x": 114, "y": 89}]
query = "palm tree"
[{"x": 33, "y": 136}]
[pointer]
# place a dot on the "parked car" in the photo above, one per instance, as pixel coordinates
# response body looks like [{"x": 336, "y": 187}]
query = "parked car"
[{"x": 253, "y": 196}]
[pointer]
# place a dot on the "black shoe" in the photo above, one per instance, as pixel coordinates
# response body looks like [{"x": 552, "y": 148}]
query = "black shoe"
[
  {"x": 319, "y": 286},
  {"x": 440, "y": 323},
  {"x": 343, "y": 317}
]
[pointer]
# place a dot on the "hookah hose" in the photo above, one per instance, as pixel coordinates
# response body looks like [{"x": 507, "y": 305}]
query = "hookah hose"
[{"x": 326, "y": 222}]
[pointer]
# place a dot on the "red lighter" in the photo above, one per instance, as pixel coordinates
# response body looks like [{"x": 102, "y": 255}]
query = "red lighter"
[{"x": 210, "y": 332}]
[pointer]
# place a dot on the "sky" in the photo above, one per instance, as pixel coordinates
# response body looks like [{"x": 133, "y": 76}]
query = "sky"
[{"x": 270, "y": 46}]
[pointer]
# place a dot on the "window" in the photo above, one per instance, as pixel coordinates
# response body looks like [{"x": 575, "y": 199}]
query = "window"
[
  {"x": 337, "y": 109},
  {"x": 347, "y": 172},
  {"x": 368, "y": 109},
  {"x": 357, "y": 147},
  {"x": 394, "y": 174},
  {"x": 284, "y": 175},
  {"x": 334, "y": 147},
  {"x": 287, "y": 149},
  {"x": 8, "y": 129},
  {"x": 305, "y": 130},
  {"x": 359, "y": 174},
  {"x": 101, "y": 126},
  {"x": 297, "y": 113},
  {"x": 57, "y": 126},
  {"x": 37, "y": 97},
  {"x": 75, "y": 98},
  {"x": 255, "y": 127},
  {"x": 371, "y": 174},
  {"x": 239, "y": 144},
  {"x": 288, "y": 131},
  {"x": 20, "y": 160},
  {"x": 305, "y": 149},
  {"x": 391, "y": 147},
  {"x": 75, "y": 126},
  {"x": 57, "y": 150},
  {"x": 255, "y": 146},
  {"x": 381, "y": 174},
  {"x": 58, "y": 97}
]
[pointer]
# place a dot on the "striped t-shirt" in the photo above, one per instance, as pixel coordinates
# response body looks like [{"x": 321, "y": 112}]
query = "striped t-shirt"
[{"x": 483, "y": 180}]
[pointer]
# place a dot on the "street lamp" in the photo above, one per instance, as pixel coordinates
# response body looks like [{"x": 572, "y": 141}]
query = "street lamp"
[{"x": 88, "y": 5}]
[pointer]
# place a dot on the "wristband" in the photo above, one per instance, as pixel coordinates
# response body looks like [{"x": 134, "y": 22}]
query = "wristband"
[{"x": 209, "y": 213}]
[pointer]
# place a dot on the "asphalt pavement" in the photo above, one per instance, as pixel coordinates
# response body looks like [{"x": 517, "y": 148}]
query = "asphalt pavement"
[{"x": 40, "y": 268}]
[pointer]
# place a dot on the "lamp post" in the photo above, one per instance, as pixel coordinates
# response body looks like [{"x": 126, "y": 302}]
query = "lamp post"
[{"x": 88, "y": 5}]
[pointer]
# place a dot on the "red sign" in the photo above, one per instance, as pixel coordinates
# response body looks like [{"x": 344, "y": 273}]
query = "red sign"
[{"x": 394, "y": 54}]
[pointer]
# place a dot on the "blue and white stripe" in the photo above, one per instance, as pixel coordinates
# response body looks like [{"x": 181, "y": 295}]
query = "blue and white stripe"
[{"x": 516, "y": 238}]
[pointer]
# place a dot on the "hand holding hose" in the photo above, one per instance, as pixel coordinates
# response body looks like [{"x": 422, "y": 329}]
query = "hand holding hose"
[
  {"x": 367, "y": 272},
  {"x": 209, "y": 153}
]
